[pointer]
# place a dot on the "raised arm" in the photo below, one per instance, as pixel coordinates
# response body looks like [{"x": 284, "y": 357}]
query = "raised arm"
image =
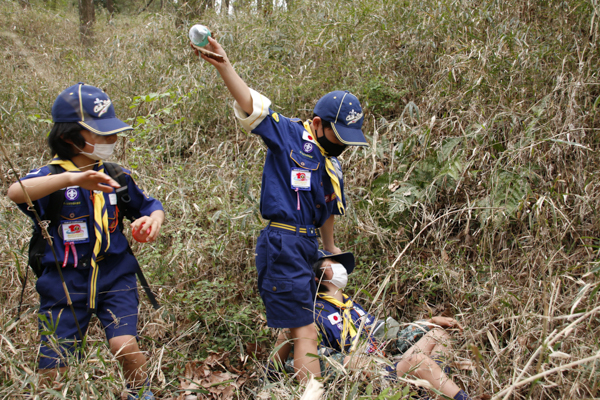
[
  {"x": 44, "y": 185},
  {"x": 236, "y": 85}
]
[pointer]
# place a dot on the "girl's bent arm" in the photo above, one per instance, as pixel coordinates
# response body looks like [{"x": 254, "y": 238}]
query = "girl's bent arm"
[
  {"x": 37, "y": 187},
  {"x": 44, "y": 185}
]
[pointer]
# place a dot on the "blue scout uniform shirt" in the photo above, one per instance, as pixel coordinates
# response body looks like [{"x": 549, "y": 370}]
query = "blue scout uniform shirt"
[
  {"x": 292, "y": 158},
  {"x": 78, "y": 214},
  {"x": 328, "y": 319}
]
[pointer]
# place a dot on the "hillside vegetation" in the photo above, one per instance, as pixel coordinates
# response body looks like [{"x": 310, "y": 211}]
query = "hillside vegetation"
[{"x": 479, "y": 196}]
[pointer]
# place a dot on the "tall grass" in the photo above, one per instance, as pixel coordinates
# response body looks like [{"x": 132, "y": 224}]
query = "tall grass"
[{"x": 482, "y": 172}]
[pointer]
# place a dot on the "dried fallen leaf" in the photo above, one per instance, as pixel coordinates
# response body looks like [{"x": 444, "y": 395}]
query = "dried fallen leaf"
[
  {"x": 493, "y": 342},
  {"x": 313, "y": 391},
  {"x": 208, "y": 376},
  {"x": 257, "y": 350},
  {"x": 559, "y": 354},
  {"x": 394, "y": 186},
  {"x": 465, "y": 365},
  {"x": 445, "y": 257}
]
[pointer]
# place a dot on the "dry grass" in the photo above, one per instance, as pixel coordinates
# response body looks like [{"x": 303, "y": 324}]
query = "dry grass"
[{"x": 482, "y": 173}]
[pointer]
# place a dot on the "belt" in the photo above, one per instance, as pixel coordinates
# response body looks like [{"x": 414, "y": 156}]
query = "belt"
[{"x": 302, "y": 230}]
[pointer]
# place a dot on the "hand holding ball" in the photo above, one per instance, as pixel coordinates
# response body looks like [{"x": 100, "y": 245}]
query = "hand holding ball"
[
  {"x": 141, "y": 237},
  {"x": 199, "y": 35}
]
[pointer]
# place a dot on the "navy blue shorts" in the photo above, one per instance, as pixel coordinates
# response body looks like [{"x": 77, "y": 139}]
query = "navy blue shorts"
[
  {"x": 117, "y": 305},
  {"x": 286, "y": 281}
]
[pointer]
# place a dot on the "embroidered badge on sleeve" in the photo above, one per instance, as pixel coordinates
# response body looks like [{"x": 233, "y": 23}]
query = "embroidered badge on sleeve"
[
  {"x": 308, "y": 137},
  {"x": 334, "y": 318}
]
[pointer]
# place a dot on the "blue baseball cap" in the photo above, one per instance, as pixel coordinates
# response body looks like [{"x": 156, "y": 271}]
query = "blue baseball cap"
[
  {"x": 90, "y": 107},
  {"x": 343, "y": 110},
  {"x": 346, "y": 259}
]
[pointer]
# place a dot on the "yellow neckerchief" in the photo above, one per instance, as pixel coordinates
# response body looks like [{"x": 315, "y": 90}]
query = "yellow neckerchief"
[
  {"x": 337, "y": 189},
  {"x": 346, "y": 308},
  {"x": 100, "y": 224}
]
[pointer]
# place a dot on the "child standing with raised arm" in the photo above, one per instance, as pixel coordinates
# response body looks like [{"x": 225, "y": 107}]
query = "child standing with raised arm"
[{"x": 302, "y": 190}]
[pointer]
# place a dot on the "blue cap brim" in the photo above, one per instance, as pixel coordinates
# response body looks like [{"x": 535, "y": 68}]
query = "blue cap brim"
[
  {"x": 105, "y": 127},
  {"x": 349, "y": 136},
  {"x": 346, "y": 259}
]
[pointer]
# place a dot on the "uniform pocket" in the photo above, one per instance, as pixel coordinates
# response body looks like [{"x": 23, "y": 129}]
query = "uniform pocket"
[
  {"x": 277, "y": 285},
  {"x": 279, "y": 299},
  {"x": 304, "y": 162}
]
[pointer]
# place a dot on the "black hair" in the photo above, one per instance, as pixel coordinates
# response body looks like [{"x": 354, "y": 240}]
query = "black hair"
[
  {"x": 326, "y": 124},
  {"x": 60, "y": 133},
  {"x": 319, "y": 276}
]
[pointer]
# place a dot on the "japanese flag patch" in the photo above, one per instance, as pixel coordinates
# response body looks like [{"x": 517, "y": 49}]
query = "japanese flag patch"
[
  {"x": 334, "y": 318},
  {"x": 308, "y": 137}
]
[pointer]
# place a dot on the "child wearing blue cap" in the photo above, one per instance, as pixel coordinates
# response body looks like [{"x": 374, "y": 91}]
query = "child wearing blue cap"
[
  {"x": 302, "y": 190},
  {"x": 420, "y": 349},
  {"x": 97, "y": 263}
]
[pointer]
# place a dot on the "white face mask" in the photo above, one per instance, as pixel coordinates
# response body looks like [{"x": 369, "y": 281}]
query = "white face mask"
[
  {"x": 101, "y": 151},
  {"x": 340, "y": 276}
]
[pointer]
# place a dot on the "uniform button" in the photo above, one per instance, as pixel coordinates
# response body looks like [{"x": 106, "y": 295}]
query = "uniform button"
[
  {"x": 314, "y": 222},
  {"x": 318, "y": 206},
  {"x": 321, "y": 183},
  {"x": 274, "y": 288},
  {"x": 302, "y": 164}
]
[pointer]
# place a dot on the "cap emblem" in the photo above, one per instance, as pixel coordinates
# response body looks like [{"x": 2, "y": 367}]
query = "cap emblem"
[
  {"x": 353, "y": 117},
  {"x": 101, "y": 106}
]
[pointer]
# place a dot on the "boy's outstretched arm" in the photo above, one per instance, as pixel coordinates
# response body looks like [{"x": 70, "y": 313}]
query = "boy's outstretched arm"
[{"x": 236, "y": 85}]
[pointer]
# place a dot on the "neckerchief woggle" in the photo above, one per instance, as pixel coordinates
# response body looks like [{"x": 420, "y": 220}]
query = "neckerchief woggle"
[
  {"x": 348, "y": 327},
  {"x": 337, "y": 189},
  {"x": 100, "y": 227}
]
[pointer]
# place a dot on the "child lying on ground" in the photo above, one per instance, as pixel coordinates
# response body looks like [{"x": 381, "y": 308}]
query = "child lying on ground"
[{"x": 420, "y": 349}]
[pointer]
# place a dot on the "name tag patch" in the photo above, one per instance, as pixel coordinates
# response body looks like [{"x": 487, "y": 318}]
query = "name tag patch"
[
  {"x": 75, "y": 231},
  {"x": 300, "y": 179},
  {"x": 112, "y": 199}
]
